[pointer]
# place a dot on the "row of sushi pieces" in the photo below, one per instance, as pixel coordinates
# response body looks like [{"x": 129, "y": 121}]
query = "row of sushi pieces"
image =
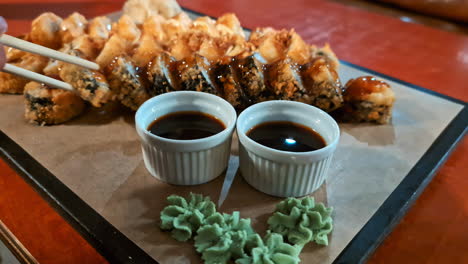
[{"x": 139, "y": 61}]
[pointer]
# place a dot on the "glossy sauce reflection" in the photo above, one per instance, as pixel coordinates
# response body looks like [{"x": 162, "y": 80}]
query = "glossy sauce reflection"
[
  {"x": 186, "y": 125},
  {"x": 286, "y": 136}
]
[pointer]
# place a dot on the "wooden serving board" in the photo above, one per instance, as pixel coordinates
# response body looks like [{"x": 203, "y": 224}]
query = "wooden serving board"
[{"x": 91, "y": 169}]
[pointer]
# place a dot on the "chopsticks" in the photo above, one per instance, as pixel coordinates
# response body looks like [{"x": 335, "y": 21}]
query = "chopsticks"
[
  {"x": 46, "y": 52},
  {"x": 12, "y": 69}
]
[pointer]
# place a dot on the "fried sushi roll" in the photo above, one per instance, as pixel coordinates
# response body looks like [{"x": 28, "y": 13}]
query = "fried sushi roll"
[
  {"x": 367, "y": 99},
  {"x": 72, "y": 27},
  {"x": 91, "y": 85},
  {"x": 124, "y": 35},
  {"x": 11, "y": 84},
  {"x": 160, "y": 74},
  {"x": 194, "y": 75},
  {"x": 225, "y": 80},
  {"x": 323, "y": 85},
  {"x": 250, "y": 76},
  {"x": 45, "y": 31},
  {"x": 127, "y": 83},
  {"x": 47, "y": 106},
  {"x": 14, "y": 84},
  {"x": 99, "y": 31},
  {"x": 327, "y": 54},
  {"x": 284, "y": 81}
]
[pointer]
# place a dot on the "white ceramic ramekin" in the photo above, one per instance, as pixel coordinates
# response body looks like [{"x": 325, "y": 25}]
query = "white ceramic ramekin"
[
  {"x": 284, "y": 173},
  {"x": 185, "y": 162}
]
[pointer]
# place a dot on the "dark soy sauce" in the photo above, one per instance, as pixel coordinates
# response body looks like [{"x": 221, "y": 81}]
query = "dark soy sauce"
[
  {"x": 286, "y": 136},
  {"x": 186, "y": 125}
]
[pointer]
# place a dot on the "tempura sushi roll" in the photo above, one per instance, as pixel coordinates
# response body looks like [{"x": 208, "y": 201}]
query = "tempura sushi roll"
[
  {"x": 11, "y": 84},
  {"x": 126, "y": 83},
  {"x": 99, "y": 31},
  {"x": 47, "y": 106},
  {"x": 45, "y": 30},
  {"x": 91, "y": 85},
  {"x": 323, "y": 85},
  {"x": 123, "y": 36},
  {"x": 367, "y": 99},
  {"x": 14, "y": 84},
  {"x": 224, "y": 78},
  {"x": 72, "y": 27},
  {"x": 160, "y": 74},
  {"x": 250, "y": 76},
  {"x": 284, "y": 81},
  {"x": 194, "y": 76}
]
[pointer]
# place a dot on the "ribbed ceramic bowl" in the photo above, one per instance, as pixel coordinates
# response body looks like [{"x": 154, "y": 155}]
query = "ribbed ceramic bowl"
[
  {"x": 284, "y": 173},
  {"x": 185, "y": 162}
]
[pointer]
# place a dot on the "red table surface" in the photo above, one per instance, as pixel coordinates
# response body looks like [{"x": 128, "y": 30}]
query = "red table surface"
[{"x": 433, "y": 231}]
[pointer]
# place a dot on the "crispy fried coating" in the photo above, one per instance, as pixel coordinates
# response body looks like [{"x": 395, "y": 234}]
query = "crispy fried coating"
[
  {"x": 284, "y": 81},
  {"x": 250, "y": 72},
  {"x": 161, "y": 71},
  {"x": 99, "y": 29},
  {"x": 124, "y": 35},
  {"x": 140, "y": 10},
  {"x": 72, "y": 27},
  {"x": 194, "y": 76},
  {"x": 322, "y": 84},
  {"x": 327, "y": 53},
  {"x": 45, "y": 30},
  {"x": 14, "y": 84},
  {"x": 367, "y": 99},
  {"x": 127, "y": 83},
  {"x": 91, "y": 85},
  {"x": 47, "y": 106},
  {"x": 150, "y": 41}
]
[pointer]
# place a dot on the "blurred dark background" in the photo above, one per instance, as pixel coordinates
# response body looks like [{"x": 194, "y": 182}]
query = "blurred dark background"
[{"x": 449, "y": 15}]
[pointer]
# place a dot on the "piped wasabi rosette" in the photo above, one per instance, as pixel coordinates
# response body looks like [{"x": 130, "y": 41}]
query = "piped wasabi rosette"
[
  {"x": 183, "y": 218},
  {"x": 220, "y": 238},
  {"x": 223, "y": 237},
  {"x": 302, "y": 221},
  {"x": 270, "y": 250}
]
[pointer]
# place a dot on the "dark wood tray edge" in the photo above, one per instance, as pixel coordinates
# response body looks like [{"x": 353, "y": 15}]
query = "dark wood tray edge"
[
  {"x": 402, "y": 198},
  {"x": 102, "y": 235}
]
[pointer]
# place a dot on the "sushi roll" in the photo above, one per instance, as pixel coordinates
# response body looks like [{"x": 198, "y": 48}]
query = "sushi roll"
[
  {"x": 160, "y": 74},
  {"x": 99, "y": 31},
  {"x": 72, "y": 27},
  {"x": 367, "y": 99},
  {"x": 45, "y": 31},
  {"x": 323, "y": 85},
  {"x": 13, "y": 84},
  {"x": 225, "y": 81},
  {"x": 250, "y": 76},
  {"x": 47, "y": 106},
  {"x": 193, "y": 75},
  {"x": 123, "y": 36},
  {"x": 284, "y": 81},
  {"x": 126, "y": 82},
  {"x": 327, "y": 54},
  {"x": 91, "y": 85},
  {"x": 148, "y": 44}
]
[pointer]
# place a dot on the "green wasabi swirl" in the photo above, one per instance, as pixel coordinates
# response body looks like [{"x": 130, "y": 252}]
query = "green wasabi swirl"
[
  {"x": 222, "y": 237},
  {"x": 183, "y": 218},
  {"x": 302, "y": 221},
  {"x": 273, "y": 251}
]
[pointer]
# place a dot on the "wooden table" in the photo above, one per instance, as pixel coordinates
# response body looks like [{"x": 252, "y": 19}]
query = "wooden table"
[{"x": 433, "y": 231}]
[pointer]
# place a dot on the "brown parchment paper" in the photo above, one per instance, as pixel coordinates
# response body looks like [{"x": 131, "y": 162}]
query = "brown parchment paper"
[{"x": 98, "y": 156}]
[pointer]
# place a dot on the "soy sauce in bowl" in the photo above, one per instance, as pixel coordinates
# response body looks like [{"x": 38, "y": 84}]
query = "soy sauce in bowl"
[
  {"x": 286, "y": 136},
  {"x": 186, "y": 125}
]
